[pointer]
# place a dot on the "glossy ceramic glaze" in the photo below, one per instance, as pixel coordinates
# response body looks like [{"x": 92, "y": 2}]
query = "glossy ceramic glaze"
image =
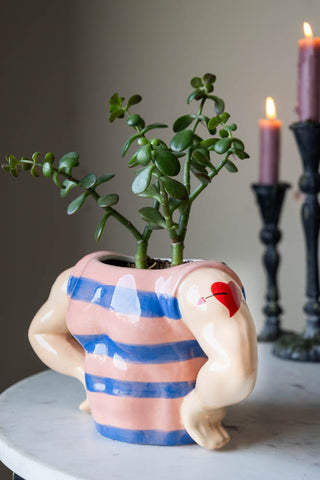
[{"x": 162, "y": 353}]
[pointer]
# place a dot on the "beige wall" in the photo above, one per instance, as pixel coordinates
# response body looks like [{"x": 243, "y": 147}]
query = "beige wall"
[{"x": 61, "y": 61}]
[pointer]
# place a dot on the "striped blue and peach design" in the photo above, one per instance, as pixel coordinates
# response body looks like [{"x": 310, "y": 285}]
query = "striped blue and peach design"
[{"x": 141, "y": 360}]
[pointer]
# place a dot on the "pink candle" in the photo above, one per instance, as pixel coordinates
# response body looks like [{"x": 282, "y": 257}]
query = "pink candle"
[
  {"x": 270, "y": 129},
  {"x": 308, "y": 76}
]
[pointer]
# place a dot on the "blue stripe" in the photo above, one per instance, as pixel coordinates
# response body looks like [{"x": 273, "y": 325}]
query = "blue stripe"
[
  {"x": 149, "y": 437},
  {"x": 158, "y": 353},
  {"x": 122, "y": 388},
  {"x": 124, "y": 300},
  {"x": 244, "y": 293}
]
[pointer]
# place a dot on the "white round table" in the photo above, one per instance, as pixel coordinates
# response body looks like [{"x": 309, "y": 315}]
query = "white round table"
[{"x": 275, "y": 433}]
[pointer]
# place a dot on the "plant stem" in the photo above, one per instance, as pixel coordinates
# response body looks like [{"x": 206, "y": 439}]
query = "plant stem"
[
  {"x": 123, "y": 220},
  {"x": 167, "y": 214},
  {"x": 184, "y": 217},
  {"x": 183, "y": 223},
  {"x": 199, "y": 113},
  {"x": 176, "y": 253},
  {"x": 186, "y": 171},
  {"x": 140, "y": 257},
  {"x": 211, "y": 174}
]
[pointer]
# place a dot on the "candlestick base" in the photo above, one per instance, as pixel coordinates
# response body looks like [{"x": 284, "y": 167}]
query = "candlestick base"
[
  {"x": 270, "y": 200},
  {"x": 306, "y": 347},
  {"x": 271, "y": 330},
  {"x": 296, "y": 347}
]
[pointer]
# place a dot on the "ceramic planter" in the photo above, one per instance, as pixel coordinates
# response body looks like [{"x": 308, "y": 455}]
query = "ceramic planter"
[{"x": 163, "y": 351}]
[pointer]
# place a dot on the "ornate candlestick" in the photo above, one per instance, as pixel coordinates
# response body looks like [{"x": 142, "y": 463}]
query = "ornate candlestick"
[
  {"x": 306, "y": 347},
  {"x": 270, "y": 199}
]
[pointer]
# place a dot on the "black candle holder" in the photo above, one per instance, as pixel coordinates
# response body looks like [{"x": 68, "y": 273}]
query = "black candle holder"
[
  {"x": 270, "y": 199},
  {"x": 306, "y": 347}
]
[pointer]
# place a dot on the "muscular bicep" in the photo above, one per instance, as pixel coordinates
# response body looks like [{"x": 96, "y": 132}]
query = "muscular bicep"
[
  {"x": 213, "y": 307},
  {"x": 51, "y": 317}
]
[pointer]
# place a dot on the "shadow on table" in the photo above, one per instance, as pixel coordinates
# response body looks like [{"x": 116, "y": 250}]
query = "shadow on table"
[{"x": 274, "y": 425}]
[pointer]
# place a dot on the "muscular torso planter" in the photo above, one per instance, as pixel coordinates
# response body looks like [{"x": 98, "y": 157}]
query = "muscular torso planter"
[
  {"x": 161, "y": 352},
  {"x": 164, "y": 351}
]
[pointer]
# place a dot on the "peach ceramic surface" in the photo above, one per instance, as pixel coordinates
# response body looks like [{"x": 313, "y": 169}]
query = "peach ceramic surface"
[{"x": 146, "y": 338}]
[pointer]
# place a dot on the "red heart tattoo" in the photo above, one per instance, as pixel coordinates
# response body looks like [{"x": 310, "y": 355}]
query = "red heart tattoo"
[{"x": 229, "y": 294}]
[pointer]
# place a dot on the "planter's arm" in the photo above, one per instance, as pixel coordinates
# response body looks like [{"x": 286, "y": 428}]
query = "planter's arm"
[
  {"x": 227, "y": 336},
  {"x": 51, "y": 339}
]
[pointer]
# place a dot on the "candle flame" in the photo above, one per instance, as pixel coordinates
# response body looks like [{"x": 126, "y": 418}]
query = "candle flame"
[
  {"x": 271, "y": 111},
  {"x": 307, "y": 30}
]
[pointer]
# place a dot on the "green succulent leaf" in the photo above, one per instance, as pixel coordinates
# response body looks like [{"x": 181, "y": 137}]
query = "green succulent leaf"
[
  {"x": 133, "y": 120},
  {"x": 26, "y": 163},
  {"x": 201, "y": 156},
  {"x": 153, "y": 216},
  {"x": 203, "y": 178},
  {"x": 232, "y": 127},
  {"x": 101, "y": 225},
  {"x": 108, "y": 200},
  {"x": 68, "y": 161},
  {"x": 104, "y": 178},
  {"x": 67, "y": 186},
  {"x": 200, "y": 172},
  {"x": 231, "y": 167},
  {"x": 183, "y": 122},
  {"x": 35, "y": 156},
  {"x": 151, "y": 192},
  {"x": 193, "y": 95},
  {"x": 13, "y": 162},
  {"x": 166, "y": 162},
  {"x": 128, "y": 144},
  {"x": 143, "y": 155},
  {"x": 76, "y": 204},
  {"x": 238, "y": 144},
  {"x": 55, "y": 178},
  {"x": 209, "y": 78},
  {"x": 175, "y": 188},
  {"x": 142, "y": 180},
  {"x": 88, "y": 181},
  {"x": 218, "y": 103},
  {"x": 241, "y": 154},
  {"x": 113, "y": 108},
  {"x": 47, "y": 169},
  {"x": 196, "y": 82},
  {"x": 174, "y": 203},
  {"x": 133, "y": 161},
  {"x": 119, "y": 113},
  {"x": 214, "y": 122},
  {"x": 223, "y": 133},
  {"x": 115, "y": 99},
  {"x": 153, "y": 126},
  {"x": 34, "y": 171},
  {"x": 209, "y": 142},
  {"x": 224, "y": 117},
  {"x": 181, "y": 140},
  {"x": 49, "y": 157},
  {"x": 222, "y": 145},
  {"x": 134, "y": 100}
]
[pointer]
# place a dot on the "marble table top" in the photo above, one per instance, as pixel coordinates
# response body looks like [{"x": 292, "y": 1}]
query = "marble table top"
[{"x": 275, "y": 433}]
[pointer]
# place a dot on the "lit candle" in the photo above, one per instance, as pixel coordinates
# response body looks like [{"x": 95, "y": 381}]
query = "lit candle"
[
  {"x": 308, "y": 76},
  {"x": 270, "y": 129}
]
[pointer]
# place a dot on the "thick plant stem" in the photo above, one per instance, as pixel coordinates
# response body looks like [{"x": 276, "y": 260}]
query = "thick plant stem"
[
  {"x": 140, "y": 257},
  {"x": 167, "y": 214},
  {"x": 177, "y": 253},
  {"x": 183, "y": 223},
  {"x": 186, "y": 172}
]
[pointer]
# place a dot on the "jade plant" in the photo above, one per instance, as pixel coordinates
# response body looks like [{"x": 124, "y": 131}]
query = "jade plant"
[{"x": 199, "y": 157}]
